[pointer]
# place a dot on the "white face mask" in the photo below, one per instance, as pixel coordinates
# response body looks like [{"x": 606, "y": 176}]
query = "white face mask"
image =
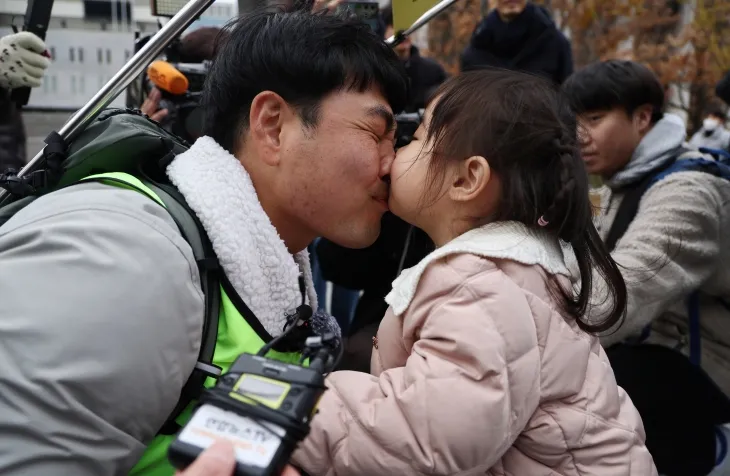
[{"x": 710, "y": 124}]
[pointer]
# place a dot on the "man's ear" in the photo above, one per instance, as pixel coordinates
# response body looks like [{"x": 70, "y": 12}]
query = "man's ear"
[
  {"x": 642, "y": 118},
  {"x": 470, "y": 179},
  {"x": 266, "y": 118}
]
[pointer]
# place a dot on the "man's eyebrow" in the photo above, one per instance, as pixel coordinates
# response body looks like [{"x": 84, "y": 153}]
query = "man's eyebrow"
[{"x": 383, "y": 113}]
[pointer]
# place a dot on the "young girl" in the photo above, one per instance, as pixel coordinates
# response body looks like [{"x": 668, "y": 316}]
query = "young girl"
[{"x": 484, "y": 362}]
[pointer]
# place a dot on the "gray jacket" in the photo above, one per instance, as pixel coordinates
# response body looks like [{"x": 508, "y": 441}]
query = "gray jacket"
[{"x": 100, "y": 327}]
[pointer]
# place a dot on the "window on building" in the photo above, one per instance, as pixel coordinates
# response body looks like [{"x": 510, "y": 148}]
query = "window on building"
[
  {"x": 102, "y": 10},
  {"x": 82, "y": 84},
  {"x": 73, "y": 84},
  {"x": 53, "y": 52},
  {"x": 99, "y": 56},
  {"x": 108, "y": 56},
  {"x": 71, "y": 54},
  {"x": 81, "y": 55},
  {"x": 54, "y": 84}
]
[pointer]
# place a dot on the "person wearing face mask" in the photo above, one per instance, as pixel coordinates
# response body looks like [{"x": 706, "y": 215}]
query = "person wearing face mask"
[{"x": 712, "y": 134}]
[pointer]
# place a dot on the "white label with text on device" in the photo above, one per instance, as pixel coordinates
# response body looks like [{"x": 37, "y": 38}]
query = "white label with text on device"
[{"x": 254, "y": 444}]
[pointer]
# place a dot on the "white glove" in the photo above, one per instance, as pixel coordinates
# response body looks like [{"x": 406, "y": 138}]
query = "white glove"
[{"x": 21, "y": 60}]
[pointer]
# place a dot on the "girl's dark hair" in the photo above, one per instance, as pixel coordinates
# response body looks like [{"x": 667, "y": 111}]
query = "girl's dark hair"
[{"x": 525, "y": 128}]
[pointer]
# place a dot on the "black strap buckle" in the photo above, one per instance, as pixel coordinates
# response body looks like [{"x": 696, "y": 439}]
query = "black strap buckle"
[{"x": 23, "y": 186}]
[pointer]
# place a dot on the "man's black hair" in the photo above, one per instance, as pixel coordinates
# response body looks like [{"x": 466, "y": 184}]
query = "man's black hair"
[
  {"x": 615, "y": 83},
  {"x": 301, "y": 56}
]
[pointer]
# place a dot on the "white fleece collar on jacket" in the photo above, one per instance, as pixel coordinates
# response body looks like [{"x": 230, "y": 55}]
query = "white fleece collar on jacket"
[
  {"x": 255, "y": 259},
  {"x": 503, "y": 240}
]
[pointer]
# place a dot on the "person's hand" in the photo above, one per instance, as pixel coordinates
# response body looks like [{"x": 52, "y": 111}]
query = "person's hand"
[
  {"x": 220, "y": 460},
  {"x": 151, "y": 106},
  {"x": 22, "y": 60}
]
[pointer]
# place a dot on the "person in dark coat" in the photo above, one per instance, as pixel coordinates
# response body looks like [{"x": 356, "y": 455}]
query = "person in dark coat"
[
  {"x": 521, "y": 36},
  {"x": 425, "y": 74}
]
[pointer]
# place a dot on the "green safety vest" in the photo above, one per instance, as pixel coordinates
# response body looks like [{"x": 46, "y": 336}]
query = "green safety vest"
[{"x": 235, "y": 337}]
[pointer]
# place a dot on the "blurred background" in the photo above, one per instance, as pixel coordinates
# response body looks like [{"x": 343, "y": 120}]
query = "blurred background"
[{"x": 687, "y": 43}]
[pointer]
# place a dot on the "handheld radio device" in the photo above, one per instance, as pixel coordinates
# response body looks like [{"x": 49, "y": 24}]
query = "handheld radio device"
[{"x": 262, "y": 406}]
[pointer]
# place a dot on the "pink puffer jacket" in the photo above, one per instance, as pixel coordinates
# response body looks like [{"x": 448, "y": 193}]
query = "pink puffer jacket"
[{"x": 478, "y": 375}]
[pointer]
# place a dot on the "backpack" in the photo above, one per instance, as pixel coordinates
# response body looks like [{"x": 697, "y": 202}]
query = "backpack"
[
  {"x": 705, "y": 160},
  {"x": 125, "y": 140}
]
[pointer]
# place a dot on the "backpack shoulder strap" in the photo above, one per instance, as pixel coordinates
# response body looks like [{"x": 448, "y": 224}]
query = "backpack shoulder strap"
[
  {"x": 627, "y": 210},
  {"x": 210, "y": 278}
]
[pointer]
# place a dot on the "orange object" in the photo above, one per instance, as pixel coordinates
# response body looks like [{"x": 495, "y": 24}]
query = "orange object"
[{"x": 165, "y": 76}]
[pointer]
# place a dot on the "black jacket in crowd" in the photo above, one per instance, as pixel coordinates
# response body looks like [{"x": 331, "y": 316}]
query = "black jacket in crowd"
[
  {"x": 12, "y": 134},
  {"x": 529, "y": 43},
  {"x": 374, "y": 268},
  {"x": 425, "y": 75}
]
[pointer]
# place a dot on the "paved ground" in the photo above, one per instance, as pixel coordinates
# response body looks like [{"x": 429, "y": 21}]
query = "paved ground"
[{"x": 38, "y": 125}]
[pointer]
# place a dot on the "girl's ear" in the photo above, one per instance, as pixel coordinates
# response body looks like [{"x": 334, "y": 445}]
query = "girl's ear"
[{"x": 470, "y": 179}]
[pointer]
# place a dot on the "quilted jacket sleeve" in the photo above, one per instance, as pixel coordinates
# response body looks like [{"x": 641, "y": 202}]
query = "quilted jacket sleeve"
[{"x": 468, "y": 388}]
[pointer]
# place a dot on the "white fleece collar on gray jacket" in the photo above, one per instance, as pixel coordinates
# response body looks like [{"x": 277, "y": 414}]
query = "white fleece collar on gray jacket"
[
  {"x": 501, "y": 240},
  {"x": 255, "y": 259}
]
